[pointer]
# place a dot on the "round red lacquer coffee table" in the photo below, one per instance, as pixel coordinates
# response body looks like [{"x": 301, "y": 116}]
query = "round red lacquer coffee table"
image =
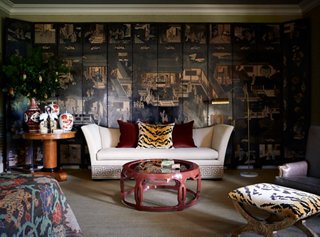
[{"x": 148, "y": 174}]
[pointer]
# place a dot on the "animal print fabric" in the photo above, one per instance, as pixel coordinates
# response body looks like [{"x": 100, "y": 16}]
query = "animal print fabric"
[
  {"x": 283, "y": 201},
  {"x": 155, "y": 135},
  {"x": 34, "y": 206}
]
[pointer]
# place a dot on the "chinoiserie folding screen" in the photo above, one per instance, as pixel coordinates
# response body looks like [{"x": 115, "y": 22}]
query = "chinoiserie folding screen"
[{"x": 169, "y": 72}]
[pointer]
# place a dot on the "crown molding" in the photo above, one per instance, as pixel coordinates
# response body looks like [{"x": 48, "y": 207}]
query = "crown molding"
[
  {"x": 308, "y": 5},
  {"x": 6, "y": 6},
  {"x": 149, "y": 9}
]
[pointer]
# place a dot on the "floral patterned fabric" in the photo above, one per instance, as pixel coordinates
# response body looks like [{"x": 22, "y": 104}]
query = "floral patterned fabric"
[{"x": 34, "y": 206}]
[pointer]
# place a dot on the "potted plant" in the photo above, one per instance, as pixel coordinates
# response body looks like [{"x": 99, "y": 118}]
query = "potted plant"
[{"x": 35, "y": 76}]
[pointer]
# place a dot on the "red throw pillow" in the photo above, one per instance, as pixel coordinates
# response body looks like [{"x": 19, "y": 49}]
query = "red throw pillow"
[
  {"x": 182, "y": 135},
  {"x": 128, "y": 134}
]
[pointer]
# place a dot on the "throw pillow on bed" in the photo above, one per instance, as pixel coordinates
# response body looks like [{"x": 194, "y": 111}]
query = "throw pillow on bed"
[
  {"x": 128, "y": 134},
  {"x": 155, "y": 135},
  {"x": 182, "y": 135}
]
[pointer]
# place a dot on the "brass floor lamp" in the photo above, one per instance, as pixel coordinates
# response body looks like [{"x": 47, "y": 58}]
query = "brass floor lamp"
[
  {"x": 220, "y": 101},
  {"x": 249, "y": 174}
]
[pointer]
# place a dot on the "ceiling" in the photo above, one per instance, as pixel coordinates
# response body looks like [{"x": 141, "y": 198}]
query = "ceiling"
[{"x": 156, "y": 1}]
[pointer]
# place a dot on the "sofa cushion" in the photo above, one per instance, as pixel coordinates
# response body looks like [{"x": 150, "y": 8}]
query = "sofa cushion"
[
  {"x": 128, "y": 134},
  {"x": 182, "y": 135},
  {"x": 175, "y": 153},
  {"x": 155, "y": 135}
]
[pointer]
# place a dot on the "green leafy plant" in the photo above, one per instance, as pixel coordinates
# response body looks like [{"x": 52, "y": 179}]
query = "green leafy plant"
[{"x": 34, "y": 76}]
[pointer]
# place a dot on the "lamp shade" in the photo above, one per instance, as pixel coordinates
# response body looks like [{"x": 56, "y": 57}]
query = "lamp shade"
[{"x": 220, "y": 101}]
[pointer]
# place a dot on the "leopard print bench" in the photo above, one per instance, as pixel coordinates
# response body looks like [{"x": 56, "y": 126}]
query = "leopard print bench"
[{"x": 285, "y": 206}]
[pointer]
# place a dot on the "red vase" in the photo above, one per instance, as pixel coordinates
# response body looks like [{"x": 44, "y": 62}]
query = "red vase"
[{"x": 31, "y": 117}]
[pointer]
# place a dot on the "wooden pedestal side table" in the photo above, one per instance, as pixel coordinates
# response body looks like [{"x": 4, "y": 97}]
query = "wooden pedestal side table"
[
  {"x": 148, "y": 174},
  {"x": 50, "y": 164}
]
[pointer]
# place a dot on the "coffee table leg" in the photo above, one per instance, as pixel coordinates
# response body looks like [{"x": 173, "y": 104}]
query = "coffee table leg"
[
  {"x": 198, "y": 186},
  {"x": 182, "y": 193},
  {"x": 122, "y": 186},
  {"x": 138, "y": 192}
]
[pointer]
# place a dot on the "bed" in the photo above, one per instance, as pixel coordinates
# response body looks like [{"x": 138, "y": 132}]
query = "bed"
[{"x": 35, "y": 206}]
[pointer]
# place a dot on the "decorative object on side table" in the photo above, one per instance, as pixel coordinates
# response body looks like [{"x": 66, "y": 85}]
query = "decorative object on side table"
[
  {"x": 36, "y": 76},
  {"x": 66, "y": 121},
  {"x": 49, "y": 119},
  {"x": 31, "y": 116}
]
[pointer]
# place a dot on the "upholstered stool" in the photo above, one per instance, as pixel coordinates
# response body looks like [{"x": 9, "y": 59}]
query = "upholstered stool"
[{"x": 285, "y": 207}]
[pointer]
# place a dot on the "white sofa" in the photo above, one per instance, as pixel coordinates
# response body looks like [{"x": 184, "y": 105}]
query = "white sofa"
[{"x": 107, "y": 160}]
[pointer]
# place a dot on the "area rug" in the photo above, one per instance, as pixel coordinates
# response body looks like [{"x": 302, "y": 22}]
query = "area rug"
[{"x": 101, "y": 213}]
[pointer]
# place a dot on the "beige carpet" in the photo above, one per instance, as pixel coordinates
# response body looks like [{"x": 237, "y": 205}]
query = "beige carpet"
[{"x": 100, "y": 213}]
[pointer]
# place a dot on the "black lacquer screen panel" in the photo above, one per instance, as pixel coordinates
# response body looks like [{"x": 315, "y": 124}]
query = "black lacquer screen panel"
[{"x": 169, "y": 72}]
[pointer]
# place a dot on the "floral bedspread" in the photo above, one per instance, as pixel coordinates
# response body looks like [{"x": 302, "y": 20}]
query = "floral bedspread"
[{"x": 34, "y": 206}]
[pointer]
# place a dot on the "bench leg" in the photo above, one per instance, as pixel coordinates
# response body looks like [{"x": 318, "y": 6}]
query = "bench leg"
[
  {"x": 305, "y": 229},
  {"x": 267, "y": 227}
]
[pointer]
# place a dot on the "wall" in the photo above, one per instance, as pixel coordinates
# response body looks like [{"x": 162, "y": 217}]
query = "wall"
[
  {"x": 212, "y": 65},
  {"x": 2, "y": 16},
  {"x": 187, "y": 18},
  {"x": 314, "y": 17}
]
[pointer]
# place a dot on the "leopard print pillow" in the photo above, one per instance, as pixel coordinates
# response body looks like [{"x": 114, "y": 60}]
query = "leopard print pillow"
[{"x": 155, "y": 135}]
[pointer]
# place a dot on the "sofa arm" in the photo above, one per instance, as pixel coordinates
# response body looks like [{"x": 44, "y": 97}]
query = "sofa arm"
[
  {"x": 220, "y": 139},
  {"x": 91, "y": 133},
  {"x": 299, "y": 168}
]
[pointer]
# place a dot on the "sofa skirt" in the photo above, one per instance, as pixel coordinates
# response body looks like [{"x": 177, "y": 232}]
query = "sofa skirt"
[{"x": 113, "y": 172}]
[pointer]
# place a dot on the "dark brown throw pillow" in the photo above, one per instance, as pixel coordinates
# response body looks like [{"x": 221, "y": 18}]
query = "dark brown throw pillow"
[
  {"x": 182, "y": 135},
  {"x": 128, "y": 134}
]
